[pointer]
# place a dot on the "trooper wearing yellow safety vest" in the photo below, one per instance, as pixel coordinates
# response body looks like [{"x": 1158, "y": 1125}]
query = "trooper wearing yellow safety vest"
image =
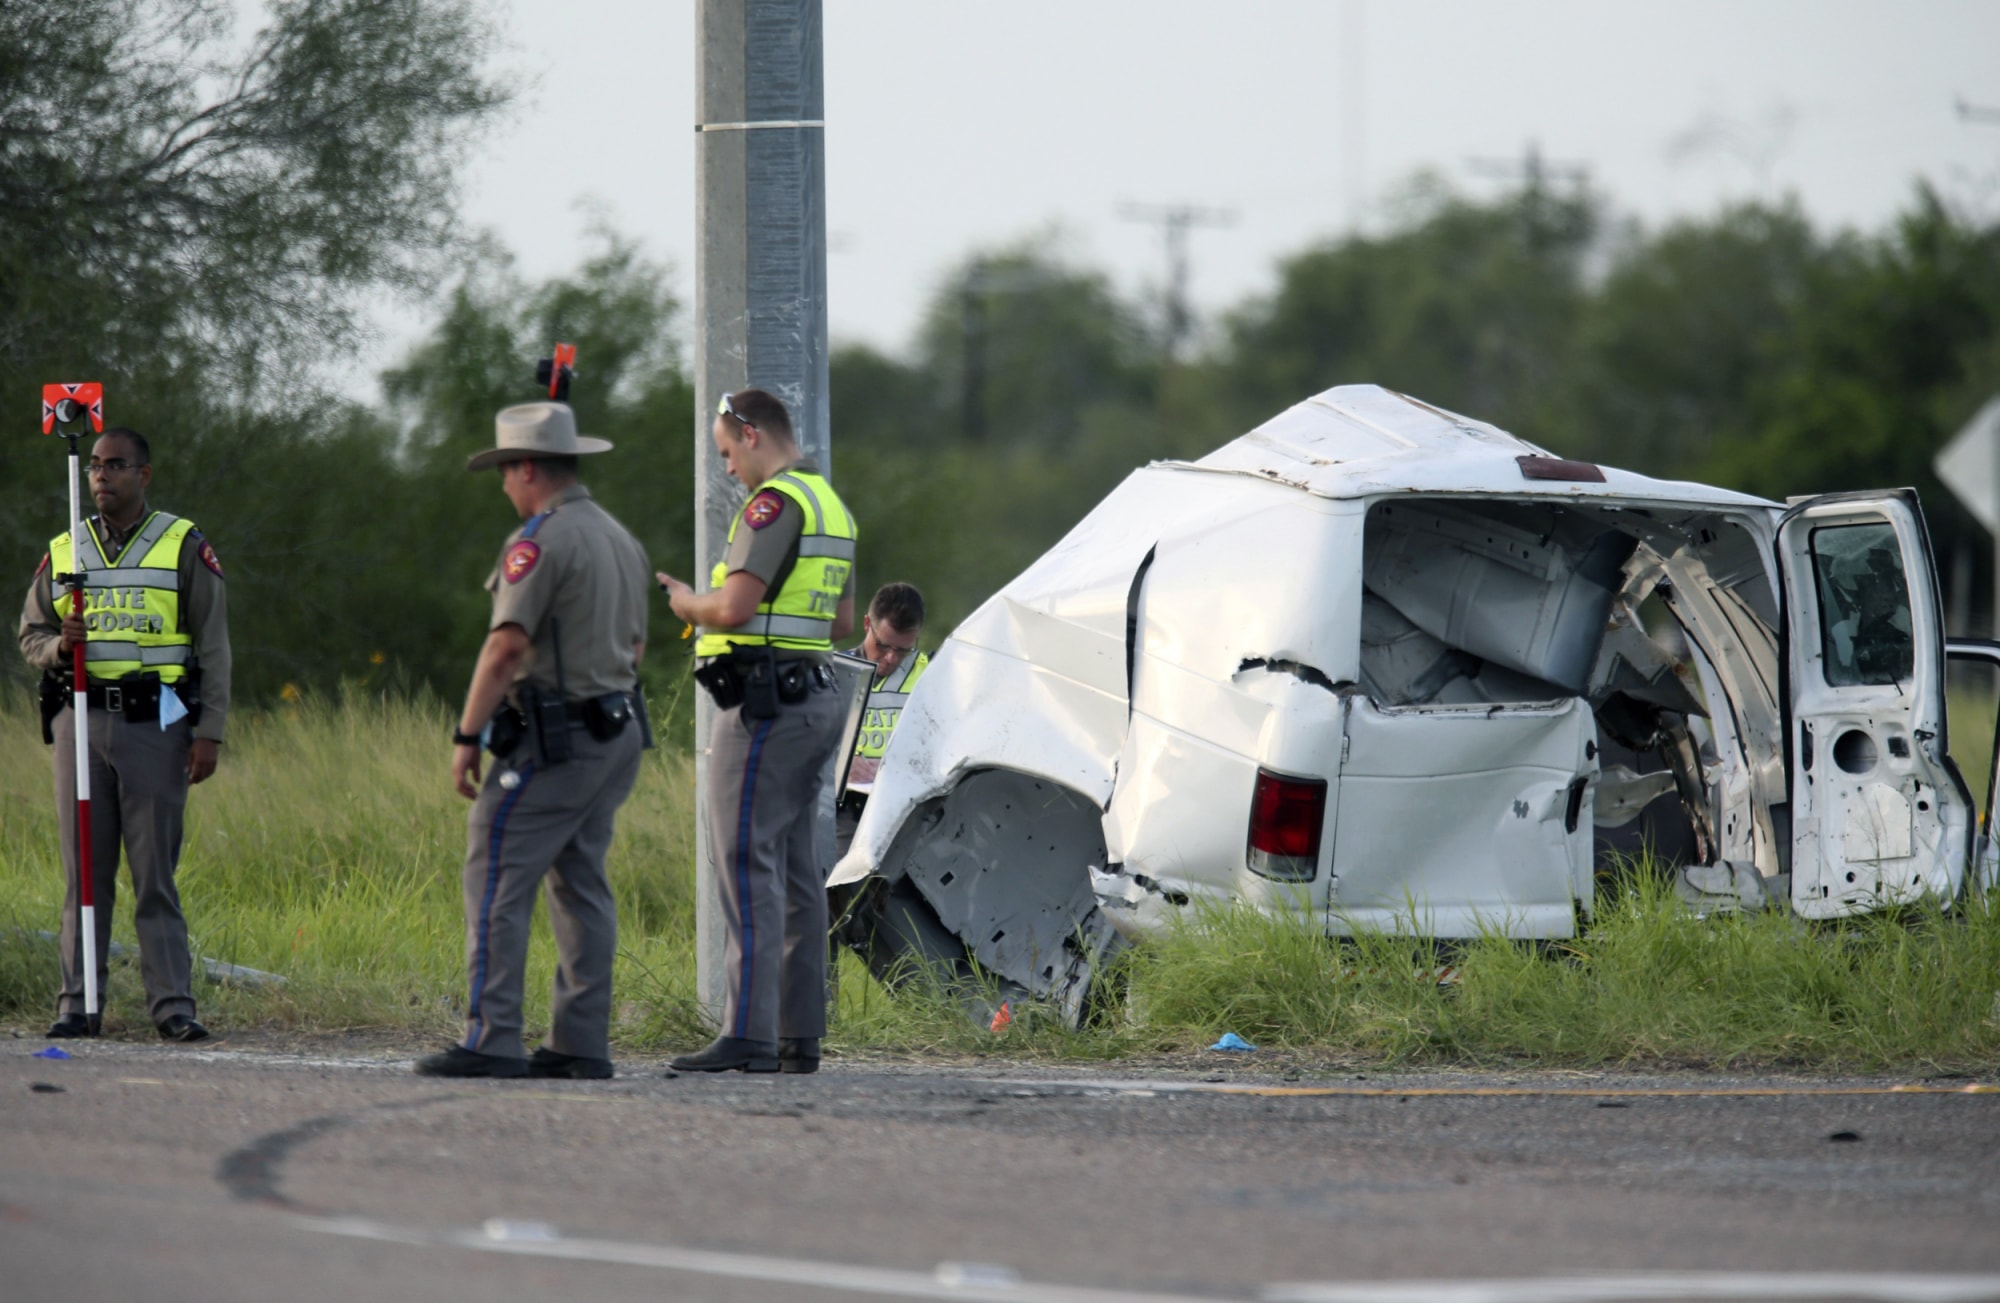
[
  {"x": 776, "y": 603},
  {"x": 156, "y": 641},
  {"x": 890, "y": 630}
]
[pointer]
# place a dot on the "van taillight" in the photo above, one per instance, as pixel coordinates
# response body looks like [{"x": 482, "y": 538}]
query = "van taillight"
[{"x": 1286, "y": 815}]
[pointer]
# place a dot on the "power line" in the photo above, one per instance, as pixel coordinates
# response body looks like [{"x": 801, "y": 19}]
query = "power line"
[
  {"x": 1977, "y": 112},
  {"x": 1534, "y": 171}
]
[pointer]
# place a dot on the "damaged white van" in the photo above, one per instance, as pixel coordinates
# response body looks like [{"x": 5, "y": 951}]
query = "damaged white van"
[{"x": 1408, "y": 672}]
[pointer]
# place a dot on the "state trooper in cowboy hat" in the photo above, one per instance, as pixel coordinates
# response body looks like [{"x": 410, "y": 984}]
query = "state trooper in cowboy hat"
[{"x": 554, "y": 697}]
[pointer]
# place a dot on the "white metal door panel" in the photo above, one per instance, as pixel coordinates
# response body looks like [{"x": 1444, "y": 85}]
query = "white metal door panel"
[{"x": 1879, "y": 816}]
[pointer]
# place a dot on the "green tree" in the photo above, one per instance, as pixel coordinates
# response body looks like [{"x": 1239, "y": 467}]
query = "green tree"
[
  {"x": 1471, "y": 306},
  {"x": 1681, "y": 339},
  {"x": 161, "y": 202},
  {"x": 1021, "y": 347},
  {"x": 194, "y": 225},
  {"x": 631, "y": 388},
  {"x": 1031, "y": 393}
]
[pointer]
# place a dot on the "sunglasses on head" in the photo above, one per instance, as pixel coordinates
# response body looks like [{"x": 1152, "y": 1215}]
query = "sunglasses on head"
[{"x": 724, "y": 408}]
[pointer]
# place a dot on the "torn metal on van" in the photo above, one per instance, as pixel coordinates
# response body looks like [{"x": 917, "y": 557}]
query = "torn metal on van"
[{"x": 1411, "y": 673}]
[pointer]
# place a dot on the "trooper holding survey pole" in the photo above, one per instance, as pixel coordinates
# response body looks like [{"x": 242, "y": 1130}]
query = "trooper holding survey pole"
[
  {"x": 776, "y": 602},
  {"x": 554, "y": 697},
  {"x": 156, "y": 653}
]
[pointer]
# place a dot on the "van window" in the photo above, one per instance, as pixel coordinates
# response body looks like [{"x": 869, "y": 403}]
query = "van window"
[{"x": 1864, "y": 622}]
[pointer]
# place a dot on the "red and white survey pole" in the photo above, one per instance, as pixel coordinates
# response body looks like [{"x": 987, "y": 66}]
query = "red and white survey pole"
[{"x": 67, "y": 405}]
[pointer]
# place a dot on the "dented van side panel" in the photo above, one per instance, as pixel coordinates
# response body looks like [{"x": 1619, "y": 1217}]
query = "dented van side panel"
[
  {"x": 1446, "y": 627},
  {"x": 1241, "y": 632}
]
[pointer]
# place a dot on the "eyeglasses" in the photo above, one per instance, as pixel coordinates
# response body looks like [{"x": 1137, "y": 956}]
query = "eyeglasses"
[
  {"x": 724, "y": 408},
  {"x": 891, "y": 649},
  {"x": 111, "y": 466}
]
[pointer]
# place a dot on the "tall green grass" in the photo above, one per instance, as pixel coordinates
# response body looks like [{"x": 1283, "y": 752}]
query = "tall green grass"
[
  {"x": 1647, "y": 983},
  {"x": 327, "y": 850}
]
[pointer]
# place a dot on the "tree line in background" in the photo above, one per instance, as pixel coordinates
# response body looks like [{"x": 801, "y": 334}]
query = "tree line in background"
[{"x": 197, "y": 230}]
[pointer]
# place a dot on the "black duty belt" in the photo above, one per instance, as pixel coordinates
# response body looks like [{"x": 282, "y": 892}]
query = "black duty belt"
[
  {"x": 137, "y": 700},
  {"x": 592, "y": 712}
]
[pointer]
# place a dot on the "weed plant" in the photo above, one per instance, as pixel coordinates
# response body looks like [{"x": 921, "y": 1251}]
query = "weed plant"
[{"x": 327, "y": 850}]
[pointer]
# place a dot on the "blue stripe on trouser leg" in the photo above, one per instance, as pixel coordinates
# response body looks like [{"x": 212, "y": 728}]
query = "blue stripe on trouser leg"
[
  {"x": 744, "y": 909},
  {"x": 483, "y": 933}
]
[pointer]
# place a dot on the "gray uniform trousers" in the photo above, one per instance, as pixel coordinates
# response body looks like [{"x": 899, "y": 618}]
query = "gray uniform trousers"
[
  {"x": 556, "y": 823},
  {"x": 138, "y": 791},
  {"x": 764, "y": 786}
]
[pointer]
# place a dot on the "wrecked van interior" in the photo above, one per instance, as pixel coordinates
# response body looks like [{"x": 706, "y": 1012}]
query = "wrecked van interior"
[{"x": 1403, "y": 671}]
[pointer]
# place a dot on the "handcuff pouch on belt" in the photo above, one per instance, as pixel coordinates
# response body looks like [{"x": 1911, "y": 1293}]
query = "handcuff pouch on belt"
[
  {"x": 755, "y": 679},
  {"x": 55, "y": 693},
  {"x": 507, "y": 730},
  {"x": 545, "y": 719}
]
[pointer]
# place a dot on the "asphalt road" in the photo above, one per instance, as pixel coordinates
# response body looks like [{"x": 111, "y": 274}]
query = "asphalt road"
[{"x": 178, "y": 1173}]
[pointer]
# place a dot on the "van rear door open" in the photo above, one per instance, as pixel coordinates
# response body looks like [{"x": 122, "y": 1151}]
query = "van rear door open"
[{"x": 1880, "y": 815}]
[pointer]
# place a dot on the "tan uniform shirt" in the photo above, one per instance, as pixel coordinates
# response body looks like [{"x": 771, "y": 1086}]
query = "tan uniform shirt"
[
  {"x": 766, "y": 550},
  {"x": 579, "y": 575},
  {"x": 204, "y": 613}
]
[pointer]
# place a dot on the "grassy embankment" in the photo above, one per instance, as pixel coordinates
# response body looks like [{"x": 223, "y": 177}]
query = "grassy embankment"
[{"x": 327, "y": 850}]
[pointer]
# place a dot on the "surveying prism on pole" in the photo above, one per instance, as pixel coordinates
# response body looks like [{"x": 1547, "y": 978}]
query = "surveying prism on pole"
[
  {"x": 556, "y": 371},
  {"x": 64, "y": 408}
]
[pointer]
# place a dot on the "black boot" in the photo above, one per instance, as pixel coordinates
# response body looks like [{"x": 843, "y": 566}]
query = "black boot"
[
  {"x": 798, "y": 1054},
  {"x": 545, "y": 1062},
  {"x": 68, "y": 1026},
  {"x": 457, "y": 1061},
  {"x": 728, "y": 1054},
  {"x": 181, "y": 1027}
]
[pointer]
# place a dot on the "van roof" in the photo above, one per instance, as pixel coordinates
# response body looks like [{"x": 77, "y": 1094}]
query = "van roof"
[{"x": 1365, "y": 441}]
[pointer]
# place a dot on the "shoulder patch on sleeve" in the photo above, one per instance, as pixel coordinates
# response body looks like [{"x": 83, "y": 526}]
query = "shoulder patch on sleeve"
[
  {"x": 207, "y": 555},
  {"x": 764, "y": 508},
  {"x": 521, "y": 558}
]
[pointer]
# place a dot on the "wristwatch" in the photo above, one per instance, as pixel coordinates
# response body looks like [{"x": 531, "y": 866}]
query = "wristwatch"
[{"x": 464, "y": 739}]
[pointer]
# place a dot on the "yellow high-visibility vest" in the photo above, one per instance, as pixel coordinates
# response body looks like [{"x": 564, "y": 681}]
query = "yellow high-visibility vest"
[
  {"x": 886, "y": 699},
  {"x": 799, "y": 614},
  {"x": 132, "y": 603}
]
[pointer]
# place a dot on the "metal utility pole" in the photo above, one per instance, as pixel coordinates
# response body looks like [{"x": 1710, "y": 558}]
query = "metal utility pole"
[
  {"x": 1535, "y": 174},
  {"x": 1175, "y": 221},
  {"x": 760, "y": 292},
  {"x": 982, "y": 281},
  {"x": 1353, "y": 108}
]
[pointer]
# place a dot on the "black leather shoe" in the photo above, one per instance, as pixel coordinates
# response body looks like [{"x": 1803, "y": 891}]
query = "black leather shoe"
[
  {"x": 71, "y": 1025},
  {"x": 180, "y": 1027},
  {"x": 545, "y": 1062},
  {"x": 461, "y": 1062},
  {"x": 729, "y": 1054},
  {"x": 798, "y": 1054}
]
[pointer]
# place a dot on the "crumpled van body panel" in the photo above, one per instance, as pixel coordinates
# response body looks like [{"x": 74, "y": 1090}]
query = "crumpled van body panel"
[{"x": 1404, "y": 671}]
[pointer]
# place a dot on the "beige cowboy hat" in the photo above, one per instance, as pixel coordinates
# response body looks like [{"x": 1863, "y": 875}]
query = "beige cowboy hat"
[{"x": 532, "y": 430}]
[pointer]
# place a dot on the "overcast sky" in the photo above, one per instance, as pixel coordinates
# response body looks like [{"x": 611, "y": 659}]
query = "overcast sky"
[{"x": 952, "y": 126}]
